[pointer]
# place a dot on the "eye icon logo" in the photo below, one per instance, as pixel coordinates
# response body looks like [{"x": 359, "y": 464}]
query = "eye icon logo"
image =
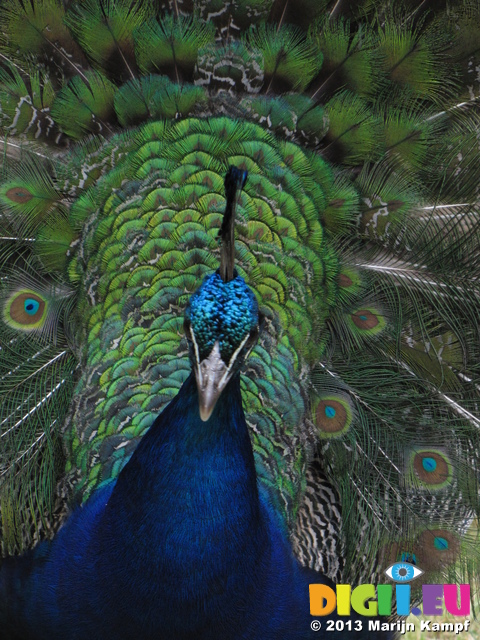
[{"x": 403, "y": 572}]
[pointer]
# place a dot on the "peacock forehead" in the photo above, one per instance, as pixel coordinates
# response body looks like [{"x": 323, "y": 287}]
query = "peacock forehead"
[{"x": 226, "y": 312}]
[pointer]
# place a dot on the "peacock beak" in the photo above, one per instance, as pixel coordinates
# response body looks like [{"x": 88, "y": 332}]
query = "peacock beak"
[{"x": 212, "y": 376}]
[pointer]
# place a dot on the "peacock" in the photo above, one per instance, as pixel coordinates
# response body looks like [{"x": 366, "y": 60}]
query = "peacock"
[{"x": 357, "y": 232}]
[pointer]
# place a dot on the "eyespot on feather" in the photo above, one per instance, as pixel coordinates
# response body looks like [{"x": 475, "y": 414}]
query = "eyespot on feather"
[
  {"x": 332, "y": 415},
  {"x": 364, "y": 319},
  {"x": 437, "y": 548},
  {"x": 26, "y": 310},
  {"x": 344, "y": 280},
  {"x": 432, "y": 549},
  {"x": 31, "y": 305},
  {"x": 430, "y": 468},
  {"x": 349, "y": 280},
  {"x": 19, "y": 195},
  {"x": 367, "y": 321}
]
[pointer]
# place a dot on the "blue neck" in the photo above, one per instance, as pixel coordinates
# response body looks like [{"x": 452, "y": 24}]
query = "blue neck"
[{"x": 188, "y": 502}]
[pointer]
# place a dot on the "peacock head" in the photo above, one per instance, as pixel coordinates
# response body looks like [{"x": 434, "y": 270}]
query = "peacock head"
[
  {"x": 222, "y": 326},
  {"x": 221, "y": 320}
]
